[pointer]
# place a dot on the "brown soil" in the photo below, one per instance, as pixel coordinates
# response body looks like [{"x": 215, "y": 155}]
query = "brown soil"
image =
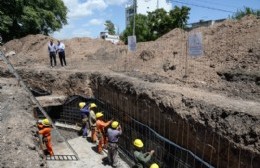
[{"x": 230, "y": 67}]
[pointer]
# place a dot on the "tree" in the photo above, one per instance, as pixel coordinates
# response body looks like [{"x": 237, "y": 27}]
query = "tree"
[
  {"x": 179, "y": 16},
  {"x": 247, "y": 11},
  {"x": 110, "y": 27},
  {"x": 20, "y": 18},
  {"x": 142, "y": 30},
  {"x": 157, "y": 23},
  {"x": 162, "y": 22}
]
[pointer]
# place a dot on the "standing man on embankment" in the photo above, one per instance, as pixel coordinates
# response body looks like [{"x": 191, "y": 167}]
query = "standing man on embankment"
[
  {"x": 52, "y": 53},
  {"x": 61, "y": 52}
]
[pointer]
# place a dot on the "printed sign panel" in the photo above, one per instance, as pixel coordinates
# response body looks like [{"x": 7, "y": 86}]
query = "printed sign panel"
[
  {"x": 132, "y": 43},
  {"x": 195, "y": 44}
]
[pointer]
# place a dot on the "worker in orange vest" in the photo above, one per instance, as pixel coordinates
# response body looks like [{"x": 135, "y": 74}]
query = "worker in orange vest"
[
  {"x": 101, "y": 125},
  {"x": 92, "y": 121},
  {"x": 45, "y": 130}
]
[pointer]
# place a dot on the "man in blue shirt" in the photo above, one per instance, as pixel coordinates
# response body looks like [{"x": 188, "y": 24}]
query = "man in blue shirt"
[
  {"x": 113, "y": 134},
  {"x": 84, "y": 111}
]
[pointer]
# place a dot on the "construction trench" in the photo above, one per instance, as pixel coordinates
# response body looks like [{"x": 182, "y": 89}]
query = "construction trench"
[{"x": 184, "y": 130}]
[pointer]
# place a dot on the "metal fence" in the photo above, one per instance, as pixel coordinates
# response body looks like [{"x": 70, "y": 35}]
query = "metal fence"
[{"x": 168, "y": 154}]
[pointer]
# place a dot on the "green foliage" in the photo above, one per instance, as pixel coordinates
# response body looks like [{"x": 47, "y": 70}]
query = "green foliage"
[
  {"x": 179, "y": 16},
  {"x": 247, "y": 11},
  {"x": 142, "y": 30},
  {"x": 110, "y": 27},
  {"x": 157, "y": 23},
  {"x": 20, "y": 18}
]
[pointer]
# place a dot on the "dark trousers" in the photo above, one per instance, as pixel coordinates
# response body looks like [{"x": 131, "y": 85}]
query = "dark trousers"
[
  {"x": 113, "y": 154},
  {"x": 53, "y": 58},
  {"x": 62, "y": 58}
]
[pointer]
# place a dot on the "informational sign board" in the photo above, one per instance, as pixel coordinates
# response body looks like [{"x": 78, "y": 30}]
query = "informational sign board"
[
  {"x": 195, "y": 44},
  {"x": 132, "y": 43}
]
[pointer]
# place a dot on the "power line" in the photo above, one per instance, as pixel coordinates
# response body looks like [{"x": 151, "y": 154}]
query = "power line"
[
  {"x": 201, "y": 6},
  {"x": 217, "y": 3}
]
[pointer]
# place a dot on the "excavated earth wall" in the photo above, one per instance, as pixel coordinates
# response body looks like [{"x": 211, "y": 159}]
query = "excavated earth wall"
[
  {"x": 222, "y": 131},
  {"x": 224, "y": 136}
]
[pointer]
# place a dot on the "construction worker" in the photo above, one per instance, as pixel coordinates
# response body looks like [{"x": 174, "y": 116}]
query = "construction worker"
[
  {"x": 101, "y": 125},
  {"x": 141, "y": 159},
  {"x": 92, "y": 121},
  {"x": 113, "y": 134},
  {"x": 154, "y": 165},
  {"x": 44, "y": 127},
  {"x": 84, "y": 111}
]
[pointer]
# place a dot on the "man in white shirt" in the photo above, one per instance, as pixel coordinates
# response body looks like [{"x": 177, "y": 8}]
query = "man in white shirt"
[
  {"x": 52, "y": 52},
  {"x": 61, "y": 52}
]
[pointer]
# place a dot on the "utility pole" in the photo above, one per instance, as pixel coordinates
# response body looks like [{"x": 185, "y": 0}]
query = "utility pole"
[
  {"x": 134, "y": 6},
  {"x": 117, "y": 30}
]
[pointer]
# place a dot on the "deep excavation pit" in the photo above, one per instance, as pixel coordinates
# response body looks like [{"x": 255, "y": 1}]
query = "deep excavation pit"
[
  {"x": 69, "y": 114},
  {"x": 221, "y": 134}
]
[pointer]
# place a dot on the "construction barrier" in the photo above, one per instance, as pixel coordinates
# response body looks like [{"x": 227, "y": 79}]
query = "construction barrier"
[{"x": 167, "y": 153}]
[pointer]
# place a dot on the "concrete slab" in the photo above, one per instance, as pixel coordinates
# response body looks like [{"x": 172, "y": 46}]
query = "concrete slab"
[
  {"x": 67, "y": 126},
  {"x": 51, "y": 100},
  {"x": 86, "y": 152}
]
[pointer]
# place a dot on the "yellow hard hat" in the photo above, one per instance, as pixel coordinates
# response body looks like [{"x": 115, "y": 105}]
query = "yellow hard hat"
[
  {"x": 92, "y": 105},
  {"x": 99, "y": 114},
  {"x": 46, "y": 122},
  {"x": 154, "y": 165},
  {"x": 82, "y": 104},
  {"x": 138, "y": 143},
  {"x": 114, "y": 124}
]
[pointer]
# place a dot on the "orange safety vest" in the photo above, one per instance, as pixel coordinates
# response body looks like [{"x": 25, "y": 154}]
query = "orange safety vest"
[{"x": 101, "y": 125}]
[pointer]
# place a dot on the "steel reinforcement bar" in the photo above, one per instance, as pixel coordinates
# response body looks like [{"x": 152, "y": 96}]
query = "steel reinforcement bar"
[{"x": 114, "y": 113}]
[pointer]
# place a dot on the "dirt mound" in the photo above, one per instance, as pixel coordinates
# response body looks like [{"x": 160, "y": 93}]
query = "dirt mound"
[
  {"x": 29, "y": 50},
  {"x": 231, "y": 48},
  {"x": 33, "y": 50}
]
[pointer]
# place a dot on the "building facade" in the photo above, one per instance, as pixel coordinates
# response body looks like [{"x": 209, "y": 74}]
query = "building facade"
[{"x": 144, "y": 6}]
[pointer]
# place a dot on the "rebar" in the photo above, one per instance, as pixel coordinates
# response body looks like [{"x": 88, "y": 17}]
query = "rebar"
[
  {"x": 228, "y": 154},
  {"x": 212, "y": 144},
  {"x": 239, "y": 157},
  {"x": 204, "y": 144},
  {"x": 218, "y": 150},
  {"x": 252, "y": 158}
]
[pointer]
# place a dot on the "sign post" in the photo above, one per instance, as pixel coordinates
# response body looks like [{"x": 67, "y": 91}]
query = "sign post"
[
  {"x": 132, "y": 43},
  {"x": 195, "y": 44},
  {"x": 194, "y": 47}
]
